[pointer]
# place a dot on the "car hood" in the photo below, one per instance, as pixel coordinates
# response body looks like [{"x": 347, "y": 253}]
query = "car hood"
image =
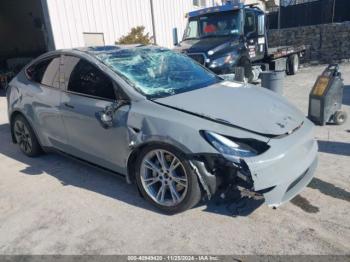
[{"x": 248, "y": 107}]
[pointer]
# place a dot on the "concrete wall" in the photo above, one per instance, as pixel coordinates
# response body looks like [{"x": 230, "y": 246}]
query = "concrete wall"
[
  {"x": 326, "y": 43},
  {"x": 71, "y": 18}
]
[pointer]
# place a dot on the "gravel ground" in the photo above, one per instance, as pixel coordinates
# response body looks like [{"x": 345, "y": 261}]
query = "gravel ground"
[{"x": 54, "y": 205}]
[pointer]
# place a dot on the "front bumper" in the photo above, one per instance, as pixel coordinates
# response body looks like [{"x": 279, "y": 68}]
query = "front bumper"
[
  {"x": 287, "y": 167},
  {"x": 279, "y": 174},
  {"x": 288, "y": 190}
]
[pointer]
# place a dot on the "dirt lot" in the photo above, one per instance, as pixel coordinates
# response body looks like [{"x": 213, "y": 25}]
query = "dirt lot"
[{"x": 53, "y": 205}]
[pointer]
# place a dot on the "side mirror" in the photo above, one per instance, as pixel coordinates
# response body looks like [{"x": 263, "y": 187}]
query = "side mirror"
[
  {"x": 175, "y": 37},
  {"x": 261, "y": 25},
  {"x": 105, "y": 117}
]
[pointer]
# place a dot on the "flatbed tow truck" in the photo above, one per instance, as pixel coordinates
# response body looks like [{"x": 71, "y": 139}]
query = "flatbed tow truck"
[{"x": 224, "y": 37}]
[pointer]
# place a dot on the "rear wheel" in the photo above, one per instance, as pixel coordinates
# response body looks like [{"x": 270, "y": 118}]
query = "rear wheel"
[
  {"x": 292, "y": 64},
  {"x": 25, "y": 137},
  {"x": 165, "y": 178}
]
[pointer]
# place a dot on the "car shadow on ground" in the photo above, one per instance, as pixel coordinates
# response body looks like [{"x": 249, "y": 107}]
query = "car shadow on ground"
[
  {"x": 304, "y": 204},
  {"x": 333, "y": 147},
  {"x": 70, "y": 172},
  {"x": 329, "y": 189},
  {"x": 239, "y": 206},
  {"x": 323, "y": 187}
]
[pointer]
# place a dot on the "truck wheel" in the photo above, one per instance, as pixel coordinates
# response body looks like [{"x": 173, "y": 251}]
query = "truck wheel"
[
  {"x": 340, "y": 117},
  {"x": 165, "y": 178},
  {"x": 292, "y": 64}
]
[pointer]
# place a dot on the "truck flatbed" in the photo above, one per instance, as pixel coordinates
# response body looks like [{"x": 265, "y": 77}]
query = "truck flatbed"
[{"x": 283, "y": 51}]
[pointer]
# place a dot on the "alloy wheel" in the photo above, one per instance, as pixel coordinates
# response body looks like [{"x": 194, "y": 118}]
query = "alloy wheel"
[
  {"x": 164, "y": 178},
  {"x": 23, "y": 137}
]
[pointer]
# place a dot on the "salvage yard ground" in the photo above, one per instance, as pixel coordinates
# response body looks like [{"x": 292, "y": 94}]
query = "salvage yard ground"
[{"x": 54, "y": 205}]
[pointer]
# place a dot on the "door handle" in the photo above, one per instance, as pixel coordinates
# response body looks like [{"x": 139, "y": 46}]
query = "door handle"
[{"x": 68, "y": 105}]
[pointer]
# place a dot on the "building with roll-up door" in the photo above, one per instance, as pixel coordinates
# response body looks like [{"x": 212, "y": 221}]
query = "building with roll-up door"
[{"x": 31, "y": 27}]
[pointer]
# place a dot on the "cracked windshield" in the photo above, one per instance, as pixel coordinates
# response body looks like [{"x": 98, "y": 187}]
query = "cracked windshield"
[{"x": 158, "y": 72}]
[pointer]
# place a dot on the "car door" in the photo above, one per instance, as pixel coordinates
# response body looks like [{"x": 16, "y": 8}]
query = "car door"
[
  {"x": 46, "y": 96},
  {"x": 88, "y": 92},
  {"x": 255, "y": 52}
]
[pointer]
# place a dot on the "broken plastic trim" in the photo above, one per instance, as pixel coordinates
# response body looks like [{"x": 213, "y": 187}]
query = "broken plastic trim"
[
  {"x": 201, "y": 180},
  {"x": 214, "y": 171}
]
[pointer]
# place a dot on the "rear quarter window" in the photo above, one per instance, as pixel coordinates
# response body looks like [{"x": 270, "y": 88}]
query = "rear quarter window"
[{"x": 45, "y": 72}]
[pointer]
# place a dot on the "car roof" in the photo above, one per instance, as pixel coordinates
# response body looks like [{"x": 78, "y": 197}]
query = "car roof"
[
  {"x": 106, "y": 48},
  {"x": 96, "y": 50}
]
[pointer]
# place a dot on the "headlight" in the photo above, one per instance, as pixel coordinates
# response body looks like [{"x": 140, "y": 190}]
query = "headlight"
[
  {"x": 235, "y": 147},
  {"x": 228, "y": 59}
]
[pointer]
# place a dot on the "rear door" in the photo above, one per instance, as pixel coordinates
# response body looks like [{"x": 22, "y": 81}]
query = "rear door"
[
  {"x": 88, "y": 92},
  {"x": 45, "y": 78}
]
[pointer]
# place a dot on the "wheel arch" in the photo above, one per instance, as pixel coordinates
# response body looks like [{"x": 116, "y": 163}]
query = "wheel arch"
[
  {"x": 12, "y": 117},
  {"x": 206, "y": 185}
]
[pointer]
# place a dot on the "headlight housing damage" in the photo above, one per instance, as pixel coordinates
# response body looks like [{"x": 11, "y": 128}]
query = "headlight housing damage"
[{"x": 235, "y": 147}]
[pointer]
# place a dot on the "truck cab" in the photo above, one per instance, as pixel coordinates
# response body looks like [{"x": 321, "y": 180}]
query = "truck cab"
[{"x": 224, "y": 37}]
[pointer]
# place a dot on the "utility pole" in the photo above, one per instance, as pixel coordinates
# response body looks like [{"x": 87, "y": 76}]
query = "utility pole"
[
  {"x": 333, "y": 11},
  {"x": 279, "y": 15},
  {"x": 279, "y": 22},
  {"x": 153, "y": 23}
]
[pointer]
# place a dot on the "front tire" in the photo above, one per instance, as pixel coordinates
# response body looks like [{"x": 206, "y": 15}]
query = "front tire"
[
  {"x": 25, "y": 137},
  {"x": 166, "y": 179}
]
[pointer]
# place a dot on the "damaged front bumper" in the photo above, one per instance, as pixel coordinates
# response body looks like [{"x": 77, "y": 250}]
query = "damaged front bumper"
[
  {"x": 287, "y": 167},
  {"x": 279, "y": 174}
]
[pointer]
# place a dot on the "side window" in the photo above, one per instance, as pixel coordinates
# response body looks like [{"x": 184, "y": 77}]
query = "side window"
[
  {"x": 45, "y": 72},
  {"x": 88, "y": 80},
  {"x": 192, "y": 29},
  {"x": 250, "y": 23},
  {"x": 51, "y": 74}
]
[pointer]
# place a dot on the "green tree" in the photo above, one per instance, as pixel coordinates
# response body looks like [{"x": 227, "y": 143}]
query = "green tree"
[{"x": 135, "y": 36}]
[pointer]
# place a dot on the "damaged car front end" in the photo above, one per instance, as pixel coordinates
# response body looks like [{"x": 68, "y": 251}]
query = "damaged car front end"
[
  {"x": 278, "y": 172},
  {"x": 268, "y": 149},
  {"x": 231, "y": 133}
]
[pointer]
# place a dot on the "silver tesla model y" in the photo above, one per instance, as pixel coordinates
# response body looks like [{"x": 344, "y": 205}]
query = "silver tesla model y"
[{"x": 175, "y": 129}]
